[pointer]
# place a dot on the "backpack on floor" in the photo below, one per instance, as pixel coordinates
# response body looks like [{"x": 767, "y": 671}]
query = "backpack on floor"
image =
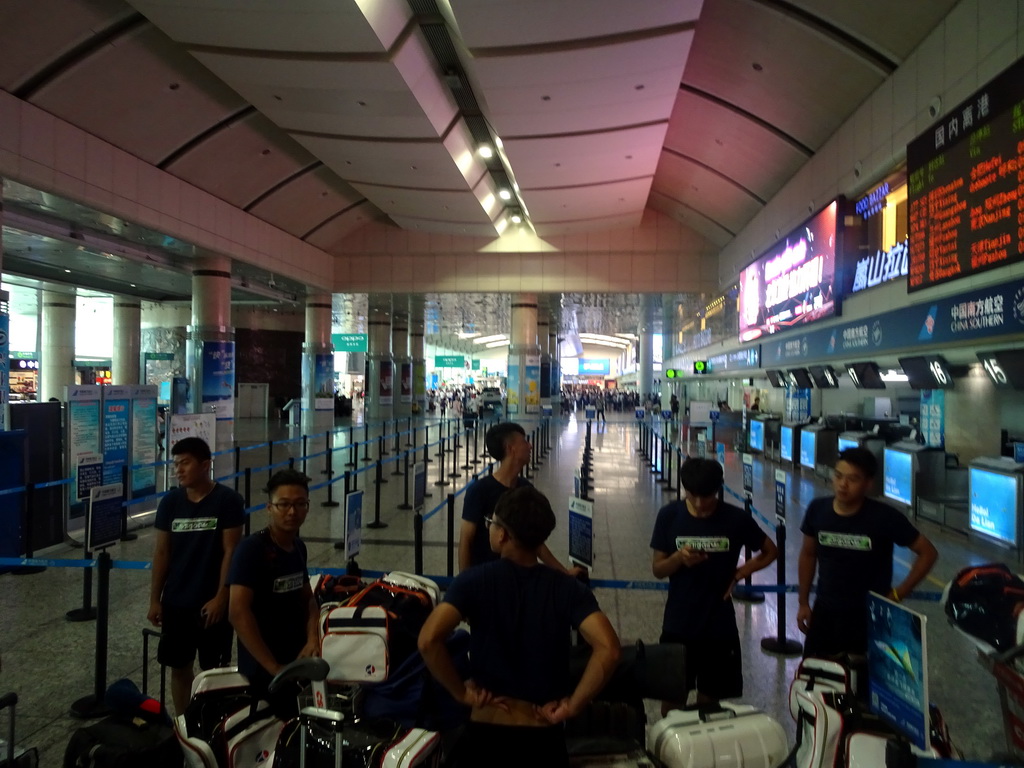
[
  {"x": 987, "y": 602},
  {"x": 120, "y": 742}
]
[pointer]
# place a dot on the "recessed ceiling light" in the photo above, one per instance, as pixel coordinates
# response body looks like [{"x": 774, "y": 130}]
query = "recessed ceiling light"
[
  {"x": 361, "y": 103},
  {"x": 174, "y": 86},
  {"x": 545, "y": 98},
  {"x": 517, "y": 219},
  {"x": 132, "y": 285},
  {"x": 639, "y": 87},
  {"x": 68, "y": 271},
  {"x": 265, "y": 152},
  {"x": 757, "y": 67},
  {"x": 485, "y": 151},
  {"x": 504, "y": 194}
]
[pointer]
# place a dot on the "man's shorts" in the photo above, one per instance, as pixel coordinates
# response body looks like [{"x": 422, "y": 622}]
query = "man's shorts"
[
  {"x": 511, "y": 746},
  {"x": 835, "y": 631},
  {"x": 183, "y": 635},
  {"x": 714, "y": 666}
]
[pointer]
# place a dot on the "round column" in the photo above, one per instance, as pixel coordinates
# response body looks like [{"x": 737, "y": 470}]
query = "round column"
[
  {"x": 523, "y": 391},
  {"x": 210, "y": 349},
  {"x": 380, "y": 374},
  {"x": 57, "y": 347},
  {"x": 419, "y": 367},
  {"x": 645, "y": 350},
  {"x": 127, "y": 341},
  {"x": 556, "y": 367},
  {"x": 318, "y": 364},
  {"x": 543, "y": 342},
  {"x": 403, "y": 366}
]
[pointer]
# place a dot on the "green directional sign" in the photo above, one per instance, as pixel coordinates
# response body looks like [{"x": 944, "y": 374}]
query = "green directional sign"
[
  {"x": 476, "y": 365},
  {"x": 449, "y": 361},
  {"x": 158, "y": 355},
  {"x": 349, "y": 342}
]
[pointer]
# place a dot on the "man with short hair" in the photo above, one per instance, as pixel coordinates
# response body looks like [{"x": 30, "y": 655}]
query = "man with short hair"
[
  {"x": 506, "y": 443},
  {"x": 272, "y": 605},
  {"x": 848, "y": 539},
  {"x": 520, "y": 614},
  {"x": 696, "y": 544},
  {"x": 198, "y": 524}
]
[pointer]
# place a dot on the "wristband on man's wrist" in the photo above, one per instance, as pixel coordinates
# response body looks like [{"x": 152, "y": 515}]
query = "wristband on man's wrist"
[{"x": 896, "y": 596}]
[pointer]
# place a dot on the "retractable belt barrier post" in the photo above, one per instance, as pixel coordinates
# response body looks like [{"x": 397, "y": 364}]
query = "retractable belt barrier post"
[
  {"x": 781, "y": 644},
  {"x": 396, "y": 448},
  {"x": 238, "y": 466},
  {"x": 441, "y": 482},
  {"x": 353, "y": 450},
  {"x": 535, "y": 448},
  {"x": 248, "y": 497},
  {"x": 270, "y": 458},
  {"x": 329, "y": 471},
  {"x": 476, "y": 442},
  {"x": 348, "y": 480},
  {"x": 126, "y": 479},
  {"x": 305, "y": 454},
  {"x": 410, "y": 441},
  {"x": 455, "y": 457},
  {"x": 378, "y": 482},
  {"x": 382, "y": 449},
  {"x": 467, "y": 431},
  {"x": 743, "y": 592},
  {"x": 94, "y": 706},
  {"x": 366, "y": 444},
  {"x": 147, "y": 633},
  {"x": 328, "y": 460},
  {"x": 679, "y": 473},
  {"x": 448, "y": 434},
  {"x": 417, "y": 533},
  {"x": 451, "y": 535},
  {"x": 405, "y": 503}
]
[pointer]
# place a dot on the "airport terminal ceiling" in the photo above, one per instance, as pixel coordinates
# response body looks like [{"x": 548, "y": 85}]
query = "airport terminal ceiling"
[{"x": 350, "y": 115}]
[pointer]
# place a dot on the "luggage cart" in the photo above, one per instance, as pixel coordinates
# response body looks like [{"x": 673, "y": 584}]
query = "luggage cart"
[{"x": 1008, "y": 669}]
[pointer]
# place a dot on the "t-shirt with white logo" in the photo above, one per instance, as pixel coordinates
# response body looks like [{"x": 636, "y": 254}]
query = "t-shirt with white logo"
[
  {"x": 695, "y": 606},
  {"x": 855, "y": 551}
]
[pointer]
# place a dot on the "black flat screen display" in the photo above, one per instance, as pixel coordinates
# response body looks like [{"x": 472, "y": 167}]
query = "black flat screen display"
[
  {"x": 777, "y": 379},
  {"x": 927, "y": 372},
  {"x": 824, "y": 376},
  {"x": 965, "y": 183},
  {"x": 1005, "y": 368},
  {"x": 865, "y": 375},
  {"x": 801, "y": 378}
]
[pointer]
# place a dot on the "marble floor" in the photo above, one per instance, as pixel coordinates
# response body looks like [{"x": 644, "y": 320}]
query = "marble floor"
[{"x": 50, "y": 662}]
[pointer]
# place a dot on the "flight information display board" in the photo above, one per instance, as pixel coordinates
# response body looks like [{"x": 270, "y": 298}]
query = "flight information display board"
[{"x": 965, "y": 179}]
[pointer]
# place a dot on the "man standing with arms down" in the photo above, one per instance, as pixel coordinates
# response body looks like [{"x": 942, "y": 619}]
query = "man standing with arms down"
[
  {"x": 849, "y": 539},
  {"x": 696, "y": 544},
  {"x": 520, "y": 613},
  {"x": 506, "y": 443},
  {"x": 198, "y": 524},
  {"x": 272, "y": 605}
]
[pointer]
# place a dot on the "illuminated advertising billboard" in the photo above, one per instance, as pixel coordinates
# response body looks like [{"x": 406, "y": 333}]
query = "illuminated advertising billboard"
[{"x": 794, "y": 283}]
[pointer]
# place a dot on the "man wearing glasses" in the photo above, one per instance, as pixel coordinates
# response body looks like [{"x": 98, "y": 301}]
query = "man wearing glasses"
[
  {"x": 848, "y": 539},
  {"x": 198, "y": 524},
  {"x": 506, "y": 443},
  {"x": 520, "y": 613},
  {"x": 272, "y": 605}
]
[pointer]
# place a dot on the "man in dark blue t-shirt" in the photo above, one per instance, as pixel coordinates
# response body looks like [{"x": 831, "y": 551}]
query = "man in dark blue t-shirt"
[
  {"x": 506, "y": 443},
  {"x": 696, "y": 544},
  {"x": 198, "y": 524},
  {"x": 520, "y": 613},
  {"x": 272, "y": 605},
  {"x": 848, "y": 539}
]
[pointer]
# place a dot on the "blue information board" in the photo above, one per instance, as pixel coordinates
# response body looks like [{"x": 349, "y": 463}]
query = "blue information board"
[
  {"x": 581, "y": 531},
  {"x": 756, "y": 440},
  {"x": 780, "y": 496},
  {"x": 786, "y": 443},
  {"x": 103, "y": 526},
  {"x": 116, "y": 430},
  {"x": 807, "y": 445},
  {"x": 720, "y": 453},
  {"x": 898, "y": 667}
]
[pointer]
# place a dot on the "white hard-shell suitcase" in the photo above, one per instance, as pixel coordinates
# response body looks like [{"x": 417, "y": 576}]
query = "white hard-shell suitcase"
[
  {"x": 634, "y": 759},
  {"x": 730, "y": 734},
  {"x": 416, "y": 748}
]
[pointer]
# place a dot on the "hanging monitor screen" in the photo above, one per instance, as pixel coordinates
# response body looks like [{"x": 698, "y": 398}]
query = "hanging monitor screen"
[
  {"x": 777, "y": 378},
  {"x": 1005, "y": 368},
  {"x": 824, "y": 376},
  {"x": 927, "y": 372},
  {"x": 801, "y": 378},
  {"x": 794, "y": 283},
  {"x": 865, "y": 375},
  {"x": 965, "y": 185}
]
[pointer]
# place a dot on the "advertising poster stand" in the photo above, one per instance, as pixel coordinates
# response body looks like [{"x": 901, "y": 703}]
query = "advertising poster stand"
[
  {"x": 84, "y": 450},
  {"x": 581, "y": 532}
]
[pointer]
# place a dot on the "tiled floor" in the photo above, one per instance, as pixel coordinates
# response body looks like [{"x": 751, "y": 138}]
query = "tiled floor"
[{"x": 50, "y": 662}]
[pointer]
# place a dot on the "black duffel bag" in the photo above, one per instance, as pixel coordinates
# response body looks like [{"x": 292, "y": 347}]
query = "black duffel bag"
[{"x": 122, "y": 742}]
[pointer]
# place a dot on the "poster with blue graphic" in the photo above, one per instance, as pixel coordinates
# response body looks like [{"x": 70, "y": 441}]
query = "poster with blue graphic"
[
  {"x": 218, "y": 390},
  {"x": 103, "y": 528},
  {"x": 323, "y": 382},
  {"x": 353, "y": 523},
  {"x": 5, "y": 367},
  {"x": 531, "y": 384},
  {"x": 933, "y": 417},
  {"x": 512, "y": 397},
  {"x": 898, "y": 667},
  {"x": 898, "y": 476},
  {"x": 84, "y": 447},
  {"x": 581, "y": 531},
  {"x": 720, "y": 453},
  {"x": 748, "y": 472},
  {"x": 786, "y": 443},
  {"x": 144, "y": 437},
  {"x": 995, "y": 503},
  {"x": 117, "y": 405}
]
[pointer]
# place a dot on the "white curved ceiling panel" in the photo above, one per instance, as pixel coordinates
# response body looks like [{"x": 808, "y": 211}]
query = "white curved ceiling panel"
[
  {"x": 306, "y": 202},
  {"x": 141, "y": 93},
  {"x": 298, "y": 25},
  {"x": 427, "y": 204},
  {"x": 591, "y": 202},
  {"x": 242, "y": 161},
  {"x": 489, "y": 24},
  {"x": 706, "y": 191}
]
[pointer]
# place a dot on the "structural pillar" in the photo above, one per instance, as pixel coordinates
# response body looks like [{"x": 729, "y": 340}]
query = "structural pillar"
[
  {"x": 125, "y": 364},
  {"x": 380, "y": 374},
  {"x": 555, "y": 353},
  {"x": 210, "y": 348},
  {"x": 419, "y": 367},
  {"x": 5, "y": 329},
  {"x": 317, "y": 364},
  {"x": 403, "y": 365},
  {"x": 57, "y": 347},
  {"x": 523, "y": 389},
  {"x": 645, "y": 349},
  {"x": 543, "y": 341}
]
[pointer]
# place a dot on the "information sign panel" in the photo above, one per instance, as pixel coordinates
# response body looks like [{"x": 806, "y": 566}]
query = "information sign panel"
[
  {"x": 898, "y": 667},
  {"x": 144, "y": 437},
  {"x": 353, "y": 523},
  {"x": 748, "y": 472},
  {"x": 103, "y": 525},
  {"x": 581, "y": 531},
  {"x": 720, "y": 453},
  {"x": 83, "y": 426}
]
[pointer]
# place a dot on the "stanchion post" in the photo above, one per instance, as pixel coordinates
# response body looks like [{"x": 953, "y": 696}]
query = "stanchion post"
[
  {"x": 94, "y": 706},
  {"x": 87, "y": 612},
  {"x": 329, "y": 461},
  {"x": 376, "y": 497},
  {"x": 455, "y": 457},
  {"x": 366, "y": 443},
  {"x": 410, "y": 441},
  {"x": 353, "y": 449},
  {"x": 270, "y": 459},
  {"x": 441, "y": 481},
  {"x": 248, "y": 498},
  {"x": 476, "y": 441},
  {"x": 405, "y": 503},
  {"x": 417, "y": 534},
  {"x": 305, "y": 454},
  {"x": 743, "y": 592},
  {"x": 679, "y": 474},
  {"x": 451, "y": 535},
  {"x": 348, "y": 477},
  {"x": 781, "y": 644},
  {"x": 238, "y": 466},
  {"x": 398, "y": 437},
  {"x": 126, "y": 485},
  {"x": 467, "y": 465}
]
